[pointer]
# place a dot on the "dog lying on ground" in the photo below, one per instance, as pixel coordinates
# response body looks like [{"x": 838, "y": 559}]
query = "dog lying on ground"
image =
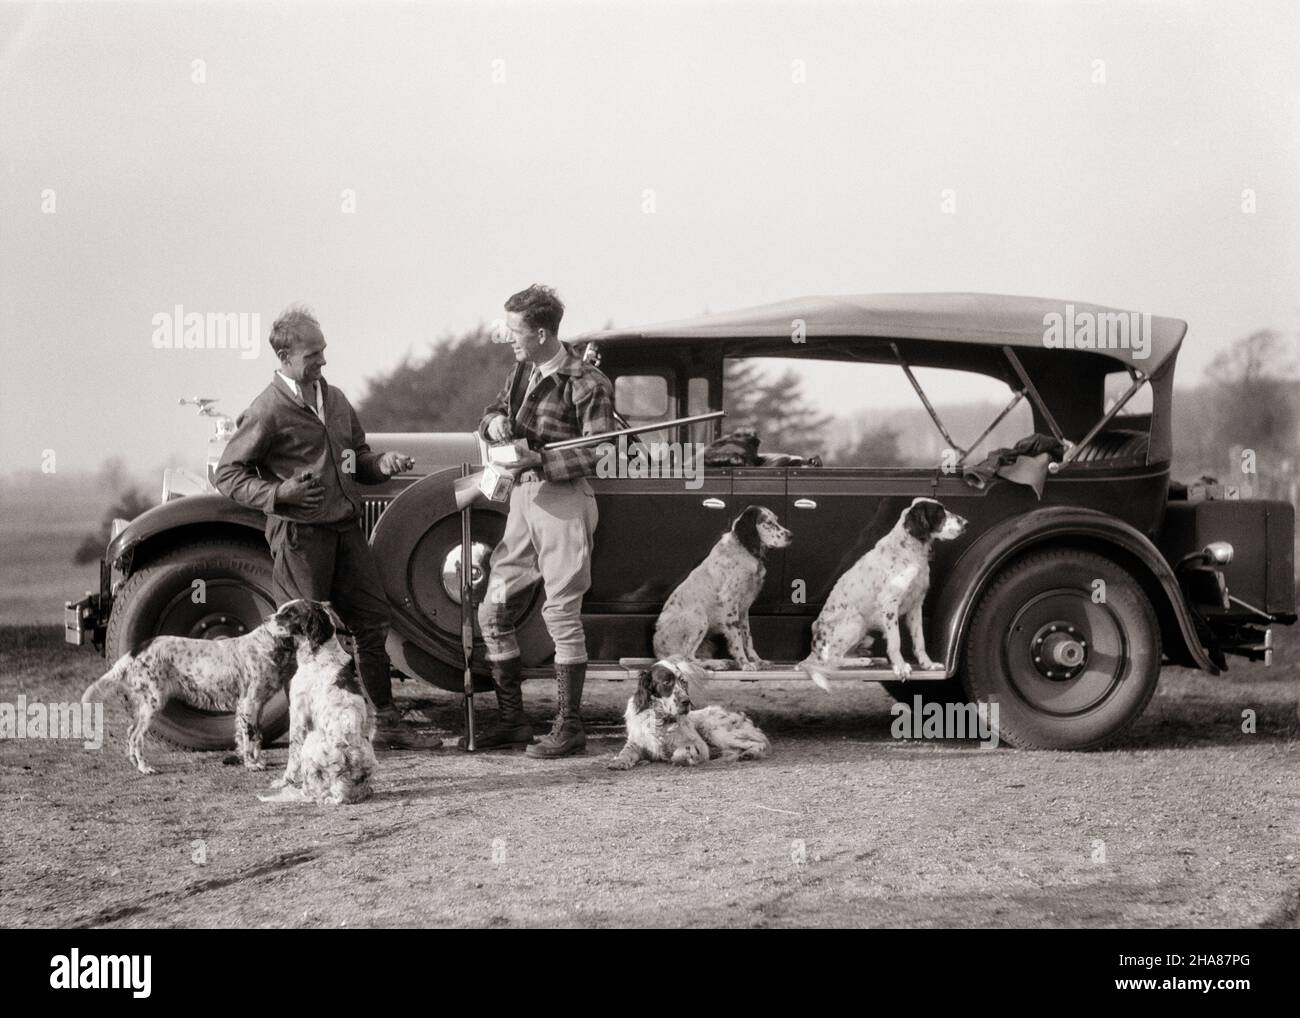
[
  {"x": 888, "y": 583},
  {"x": 717, "y": 595},
  {"x": 331, "y": 719},
  {"x": 239, "y": 674},
  {"x": 662, "y": 727}
]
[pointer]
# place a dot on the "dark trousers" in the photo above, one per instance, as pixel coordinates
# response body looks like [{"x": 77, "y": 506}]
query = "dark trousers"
[{"x": 321, "y": 562}]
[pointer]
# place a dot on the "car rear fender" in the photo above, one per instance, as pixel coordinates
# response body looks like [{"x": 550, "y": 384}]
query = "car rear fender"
[{"x": 1065, "y": 526}]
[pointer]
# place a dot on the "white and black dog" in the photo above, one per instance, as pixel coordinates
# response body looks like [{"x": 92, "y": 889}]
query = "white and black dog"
[
  {"x": 239, "y": 674},
  {"x": 887, "y": 584},
  {"x": 661, "y": 726},
  {"x": 717, "y": 595},
  {"x": 331, "y": 719}
]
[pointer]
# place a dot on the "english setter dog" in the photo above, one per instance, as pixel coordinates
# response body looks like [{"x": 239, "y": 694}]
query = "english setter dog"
[
  {"x": 717, "y": 595},
  {"x": 239, "y": 674},
  {"x": 888, "y": 583},
  {"x": 331, "y": 719},
  {"x": 662, "y": 727}
]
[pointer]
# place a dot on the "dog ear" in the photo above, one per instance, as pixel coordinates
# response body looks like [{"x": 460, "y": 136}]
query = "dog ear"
[
  {"x": 335, "y": 619},
  {"x": 319, "y": 628},
  {"x": 694, "y": 675},
  {"x": 923, "y": 519},
  {"x": 937, "y": 514},
  {"x": 644, "y": 692},
  {"x": 745, "y": 528}
]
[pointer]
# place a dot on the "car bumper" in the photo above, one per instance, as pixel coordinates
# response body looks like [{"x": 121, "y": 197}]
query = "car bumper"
[{"x": 87, "y": 619}]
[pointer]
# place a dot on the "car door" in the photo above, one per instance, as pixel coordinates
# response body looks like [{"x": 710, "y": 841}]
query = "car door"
[
  {"x": 838, "y": 515},
  {"x": 652, "y": 532}
]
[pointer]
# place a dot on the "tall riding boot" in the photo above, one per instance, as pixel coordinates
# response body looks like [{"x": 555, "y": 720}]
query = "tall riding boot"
[
  {"x": 567, "y": 736},
  {"x": 511, "y": 727}
]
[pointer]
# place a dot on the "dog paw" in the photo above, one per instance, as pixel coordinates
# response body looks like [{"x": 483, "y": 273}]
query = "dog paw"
[
  {"x": 620, "y": 763},
  {"x": 279, "y": 782},
  {"x": 144, "y": 768},
  {"x": 256, "y": 765},
  {"x": 929, "y": 666},
  {"x": 902, "y": 670}
]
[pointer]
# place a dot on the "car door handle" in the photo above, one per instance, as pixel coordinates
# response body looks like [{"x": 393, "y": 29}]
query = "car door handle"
[
  {"x": 804, "y": 503},
  {"x": 714, "y": 503}
]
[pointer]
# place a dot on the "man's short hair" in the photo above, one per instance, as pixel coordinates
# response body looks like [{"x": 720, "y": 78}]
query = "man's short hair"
[
  {"x": 290, "y": 328},
  {"x": 539, "y": 306}
]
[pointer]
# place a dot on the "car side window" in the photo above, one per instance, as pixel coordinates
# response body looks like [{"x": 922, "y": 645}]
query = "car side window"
[
  {"x": 1116, "y": 385},
  {"x": 643, "y": 399},
  {"x": 856, "y": 414}
]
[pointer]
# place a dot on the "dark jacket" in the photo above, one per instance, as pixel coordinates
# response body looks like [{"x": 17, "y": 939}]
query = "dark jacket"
[{"x": 278, "y": 437}]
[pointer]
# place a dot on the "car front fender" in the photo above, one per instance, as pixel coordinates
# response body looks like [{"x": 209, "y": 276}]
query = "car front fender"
[
  {"x": 1057, "y": 526},
  {"x": 182, "y": 512}
]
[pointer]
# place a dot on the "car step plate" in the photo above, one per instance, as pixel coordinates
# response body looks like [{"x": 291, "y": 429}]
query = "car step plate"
[{"x": 861, "y": 669}]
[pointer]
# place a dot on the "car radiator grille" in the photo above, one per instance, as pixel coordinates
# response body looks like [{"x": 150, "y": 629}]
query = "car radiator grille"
[{"x": 371, "y": 510}]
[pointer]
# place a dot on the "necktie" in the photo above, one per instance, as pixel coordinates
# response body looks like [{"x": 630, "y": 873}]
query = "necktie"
[{"x": 533, "y": 379}]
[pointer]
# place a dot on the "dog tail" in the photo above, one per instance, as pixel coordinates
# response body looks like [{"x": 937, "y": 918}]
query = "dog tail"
[
  {"x": 96, "y": 690},
  {"x": 816, "y": 673}
]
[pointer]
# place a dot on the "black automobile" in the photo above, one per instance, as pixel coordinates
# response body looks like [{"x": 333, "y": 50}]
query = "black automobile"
[{"x": 1082, "y": 571}]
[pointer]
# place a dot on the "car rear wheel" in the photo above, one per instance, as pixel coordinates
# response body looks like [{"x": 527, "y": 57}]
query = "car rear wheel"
[
  {"x": 1067, "y": 644},
  {"x": 163, "y": 599}
]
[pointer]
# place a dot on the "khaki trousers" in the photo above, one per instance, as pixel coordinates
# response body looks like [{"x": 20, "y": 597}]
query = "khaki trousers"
[{"x": 549, "y": 538}]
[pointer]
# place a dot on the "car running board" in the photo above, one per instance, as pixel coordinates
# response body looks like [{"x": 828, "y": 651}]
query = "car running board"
[{"x": 859, "y": 669}]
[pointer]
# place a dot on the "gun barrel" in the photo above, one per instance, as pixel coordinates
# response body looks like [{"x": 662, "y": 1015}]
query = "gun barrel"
[{"x": 605, "y": 436}]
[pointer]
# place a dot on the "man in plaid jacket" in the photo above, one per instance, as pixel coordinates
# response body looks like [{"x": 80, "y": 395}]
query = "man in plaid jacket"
[{"x": 550, "y": 395}]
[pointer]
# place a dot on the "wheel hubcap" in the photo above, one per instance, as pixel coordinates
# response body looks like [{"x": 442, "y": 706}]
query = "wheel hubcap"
[
  {"x": 1063, "y": 653},
  {"x": 479, "y": 553},
  {"x": 1060, "y": 650}
]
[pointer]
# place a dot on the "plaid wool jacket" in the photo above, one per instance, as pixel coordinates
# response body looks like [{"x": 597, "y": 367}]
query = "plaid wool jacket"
[{"x": 577, "y": 400}]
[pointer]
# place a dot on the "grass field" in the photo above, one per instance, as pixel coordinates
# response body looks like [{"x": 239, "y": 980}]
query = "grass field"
[
  {"x": 1186, "y": 821},
  {"x": 40, "y": 528}
]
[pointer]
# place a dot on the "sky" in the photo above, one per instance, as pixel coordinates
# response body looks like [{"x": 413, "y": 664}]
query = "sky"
[{"x": 403, "y": 168}]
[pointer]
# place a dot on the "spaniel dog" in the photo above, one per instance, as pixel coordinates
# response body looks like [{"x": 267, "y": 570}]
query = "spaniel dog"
[
  {"x": 331, "y": 719},
  {"x": 888, "y": 583},
  {"x": 239, "y": 674},
  {"x": 716, "y": 596},
  {"x": 661, "y": 725}
]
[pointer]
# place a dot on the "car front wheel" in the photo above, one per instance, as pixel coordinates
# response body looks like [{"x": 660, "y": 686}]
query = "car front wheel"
[
  {"x": 164, "y": 598},
  {"x": 1067, "y": 645}
]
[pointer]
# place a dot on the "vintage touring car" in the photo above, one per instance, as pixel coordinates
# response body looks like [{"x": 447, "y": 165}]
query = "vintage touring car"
[{"x": 1061, "y": 601}]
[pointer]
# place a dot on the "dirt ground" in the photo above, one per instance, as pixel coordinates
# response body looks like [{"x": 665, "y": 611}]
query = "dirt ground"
[{"x": 1186, "y": 822}]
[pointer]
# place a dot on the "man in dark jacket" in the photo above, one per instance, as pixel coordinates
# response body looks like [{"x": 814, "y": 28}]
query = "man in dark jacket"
[{"x": 297, "y": 456}]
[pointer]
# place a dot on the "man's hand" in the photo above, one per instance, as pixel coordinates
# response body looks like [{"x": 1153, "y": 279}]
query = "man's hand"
[
  {"x": 303, "y": 490},
  {"x": 527, "y": 461},
  {"x": 391, "y": 463},
  {"x": 498, "y": 428}
]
